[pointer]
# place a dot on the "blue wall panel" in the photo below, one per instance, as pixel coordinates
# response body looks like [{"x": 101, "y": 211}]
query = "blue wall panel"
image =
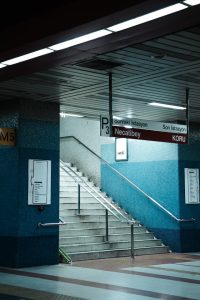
[
  {"x": 22, "y": 242},
  {"x": 155, "y": 168},
  {"x": 9, "y": 190},
  {"x": 158, "y": 169}
]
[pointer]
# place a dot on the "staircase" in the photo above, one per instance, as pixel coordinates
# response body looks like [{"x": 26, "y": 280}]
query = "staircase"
[{"x": 84, "y": 236}]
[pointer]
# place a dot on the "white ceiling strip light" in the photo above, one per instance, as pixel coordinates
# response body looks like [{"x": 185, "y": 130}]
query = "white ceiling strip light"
[
  {"x": 63, "y": 115},
  {"x": 28, "y": 56},
  {"x": 80, "y": 40},
  {"x": 2, "y": 66},
  {"x": 192, "y": 2},
  {"x": 167, "y": 105},
  {"x": 100, "y": 33},
  {"x": 148, "y": 17}
]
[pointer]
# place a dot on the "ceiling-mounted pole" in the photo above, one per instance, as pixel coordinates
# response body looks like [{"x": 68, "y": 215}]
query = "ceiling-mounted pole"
[
  {"x": 110, "y": 102},
  {"x": 187, "y": 114}
]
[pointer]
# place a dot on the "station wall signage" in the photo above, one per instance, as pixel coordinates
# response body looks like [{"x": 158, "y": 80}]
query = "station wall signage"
[
  {"x": 7, "y": 136},
  {"x": 149, "y": 130}
]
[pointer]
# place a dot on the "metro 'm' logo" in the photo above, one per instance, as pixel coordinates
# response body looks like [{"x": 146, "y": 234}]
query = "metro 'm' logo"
[{"x": 7, "y": 136}]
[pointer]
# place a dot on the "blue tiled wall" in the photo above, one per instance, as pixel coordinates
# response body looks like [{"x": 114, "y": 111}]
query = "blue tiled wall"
[
  {"x": 22, "y": 242},
  {"x": 155, "y": 168}
]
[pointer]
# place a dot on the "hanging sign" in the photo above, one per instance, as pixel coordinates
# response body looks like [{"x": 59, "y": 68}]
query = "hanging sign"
[
  {"x": 149, "y": 135},
  {"x": 149, "y": 130},
  {"x": 7, "y": 136}
]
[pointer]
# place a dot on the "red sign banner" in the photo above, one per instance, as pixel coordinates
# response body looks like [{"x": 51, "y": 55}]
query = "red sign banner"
[{"x": 149, "y": 135}]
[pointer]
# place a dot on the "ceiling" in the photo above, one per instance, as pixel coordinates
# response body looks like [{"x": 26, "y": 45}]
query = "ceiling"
[{"x": 157, "y": 70}]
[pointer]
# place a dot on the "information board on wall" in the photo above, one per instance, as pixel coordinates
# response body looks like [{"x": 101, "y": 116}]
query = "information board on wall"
[
  {"x": 191, "y": 186},
  {"x": 39, "y": 182}
]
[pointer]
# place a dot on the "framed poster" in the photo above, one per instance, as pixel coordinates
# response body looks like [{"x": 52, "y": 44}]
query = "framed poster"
[
  {"x": 121, "y": 149},
  {"x": 191, "y": 186},
  {"x": 39, "y": 182}
]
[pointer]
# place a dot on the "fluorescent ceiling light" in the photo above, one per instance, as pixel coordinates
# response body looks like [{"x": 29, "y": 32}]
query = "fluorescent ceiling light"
[
  {"x": 128, "y": 126},
  {"x": 192, "y": 2},
  {"x": 2, "y": 66},
  {"x": 148, "y": 17},
  {"x": 80, "y": 39},
  {"x": 28, "y": 56},
  {"x": 63, "y": 115},
  {"x": 167, "y": 105}
]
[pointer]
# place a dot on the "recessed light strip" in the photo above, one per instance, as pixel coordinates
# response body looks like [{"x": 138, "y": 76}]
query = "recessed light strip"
[
  {"x": 80, "y": 40},
  {"x": 148, "y": 17},
  {"x": 63, "y": 115},
  {"x": 2, "y": 66},
  {"x": 192, "y": 2},
  {"x": 28, "y": 56},
  {"x": 104, "y": 32},
  {"x": 167, "y": 105}
]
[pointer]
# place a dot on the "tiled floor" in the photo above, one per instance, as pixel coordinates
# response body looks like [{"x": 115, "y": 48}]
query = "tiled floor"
[{"x": 166, "y": 276}]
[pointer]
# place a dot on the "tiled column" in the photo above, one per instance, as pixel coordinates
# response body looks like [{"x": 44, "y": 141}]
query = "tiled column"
[
  {"x": 189, "y": 157},
  {"x": 22, "y": 243}
]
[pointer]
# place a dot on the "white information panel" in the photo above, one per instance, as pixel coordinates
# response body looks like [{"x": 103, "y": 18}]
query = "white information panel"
[
  {"x": 39, "y": 182},
  {"x": 191, "y": 186}
]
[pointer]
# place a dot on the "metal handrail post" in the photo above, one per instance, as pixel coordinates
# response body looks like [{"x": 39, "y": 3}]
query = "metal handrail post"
[
  {"x": 79, "y": 199},
  {"x": 106, "y": 225},
  {"x": 132, "y": 241}
]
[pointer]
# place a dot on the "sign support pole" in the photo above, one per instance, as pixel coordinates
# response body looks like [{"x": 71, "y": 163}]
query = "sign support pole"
[
  {"x": 110, "y": 102},
  {"x": 187, "y": 114}
]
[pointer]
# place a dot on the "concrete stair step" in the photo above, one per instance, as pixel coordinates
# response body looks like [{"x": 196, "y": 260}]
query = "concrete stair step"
[
  {"x": 83, "y": 194},
  {"x": 71, "y": 173},
  {"x": 91, "y": 218},
  {"x": 68, "y": 164},
  {"x": 100, "y": 230},
  {"x": 90, "y": 207},
  {"x": 64, "y": 184},
  {"x": 72, "y": 179},
  {"x": 86, "y": 224},
  {"x": 74, "y": 168},
  {"x": 66, "y": 200},
  {"x": 86, "y": 200},
  {"x": 69, "y": 188},
  {"x": 99, "y": 246},
  {"x": 117, "y": 253},
  {"x": 101, "y": 238}
]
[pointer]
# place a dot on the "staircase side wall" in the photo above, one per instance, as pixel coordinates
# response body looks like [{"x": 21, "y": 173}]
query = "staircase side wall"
[
  {"x": 154, "y": 167},
  {"x": 88, "y": 132}
]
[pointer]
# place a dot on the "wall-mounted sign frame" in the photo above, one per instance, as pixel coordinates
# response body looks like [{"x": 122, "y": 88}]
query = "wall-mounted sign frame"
[
  {"x": 121, "y": 149},
  {"x": 191, "y": 186},
  {"x": 39, "y": 182},
  {"x": 7, "y": 136}
]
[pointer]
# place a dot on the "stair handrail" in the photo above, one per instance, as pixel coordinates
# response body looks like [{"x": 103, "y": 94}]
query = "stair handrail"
[
  {"x": 127, "y": 220},
  {"x": 130, "y": 182}
]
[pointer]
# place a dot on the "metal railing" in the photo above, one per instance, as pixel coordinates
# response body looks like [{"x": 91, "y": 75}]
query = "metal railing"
[
  {"x": 156, "y": 203},
  {"x": 109, "y": 207},
  {"x": 51, "y": 224}
]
